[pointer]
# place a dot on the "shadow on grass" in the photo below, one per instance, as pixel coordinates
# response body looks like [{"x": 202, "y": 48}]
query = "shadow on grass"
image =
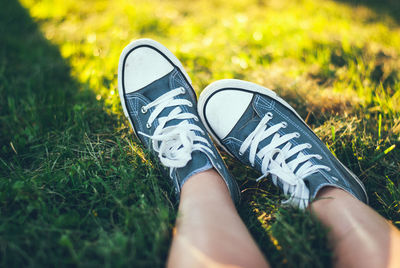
[
  {"x": 71, "y": 193},
  {"x": 36, "y": 88},
  {"x": 381, "y": 7}
]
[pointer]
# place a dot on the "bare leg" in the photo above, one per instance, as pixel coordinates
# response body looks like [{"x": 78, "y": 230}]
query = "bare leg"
[
  {"x": 360, "y": 236},
  {"x": 209, "y": 231}
]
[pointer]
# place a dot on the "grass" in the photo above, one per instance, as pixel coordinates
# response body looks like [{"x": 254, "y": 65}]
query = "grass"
[{"x": 76, "y": 189}]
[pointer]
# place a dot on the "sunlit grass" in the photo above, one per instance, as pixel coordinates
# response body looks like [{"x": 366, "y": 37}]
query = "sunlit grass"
[{"x": 335, "y": 44}]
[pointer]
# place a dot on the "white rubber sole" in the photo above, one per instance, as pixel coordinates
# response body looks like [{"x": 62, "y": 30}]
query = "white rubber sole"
[
  {"x": 133, "y": 45},
  {"x": 251, "y": 87}
]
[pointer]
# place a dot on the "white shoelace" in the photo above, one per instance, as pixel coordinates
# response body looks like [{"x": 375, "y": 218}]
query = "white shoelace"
[
  {"x": 274, "y": 160},
  {"x": 174, "y": 144}
]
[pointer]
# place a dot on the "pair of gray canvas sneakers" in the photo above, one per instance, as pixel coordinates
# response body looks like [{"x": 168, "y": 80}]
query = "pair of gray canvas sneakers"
[{"x": 250, "y": 122}]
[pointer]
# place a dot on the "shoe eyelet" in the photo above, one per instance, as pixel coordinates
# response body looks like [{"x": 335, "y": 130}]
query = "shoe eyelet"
[
  {"x": 190, "y": 104},
  {"x": 148, "y": 125},
  {"x": 297, "y": 134},
  {"x": 183, "y": 90},
  {"x": 309, "y": 146},
  {"x": 284, "y": 124},
  {"x": 196, "y": 119},
  {"x": 143, "y": 110},
  {"x": 240, "y": 153},
  {"x": 319, "y": 157},
  {"x": 269, "y": 114},
  {"x": 329, "y": 169}
]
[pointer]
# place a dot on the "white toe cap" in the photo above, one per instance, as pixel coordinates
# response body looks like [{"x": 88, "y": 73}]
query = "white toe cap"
[
  {"x": 143, "y": 66},
  {"x": 224, "y": 109}
]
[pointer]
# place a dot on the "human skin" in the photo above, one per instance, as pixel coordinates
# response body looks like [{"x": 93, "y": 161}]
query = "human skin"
[
  {"x": 210, "y": 233},
  {"x": 359, "y": 235}
]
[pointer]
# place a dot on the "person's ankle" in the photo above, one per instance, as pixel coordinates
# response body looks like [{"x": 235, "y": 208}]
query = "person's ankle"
[
  {"x": 327, "y": 192},
  {"x": 205, "y": 182},
  {"x": 324, "y": 197},
  {"x": 198, "y": 164}
]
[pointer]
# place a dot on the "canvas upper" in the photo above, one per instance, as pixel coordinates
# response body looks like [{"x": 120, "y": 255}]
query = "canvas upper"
[
  {"x": 160, "y": 103},
  {"x": 260, "y": 129}
]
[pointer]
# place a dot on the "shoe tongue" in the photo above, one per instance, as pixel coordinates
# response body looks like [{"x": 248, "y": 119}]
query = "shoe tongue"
[
  {"x": 246, "y": 124},
  {"x": 152, "y": 91},
  {"x": 199, "y": 160},
  {"x": 198, "y": 163},
  {"x": 249, "y": 121}
]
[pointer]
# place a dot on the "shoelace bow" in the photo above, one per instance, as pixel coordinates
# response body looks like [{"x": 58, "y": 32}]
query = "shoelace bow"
[
  {"x": 174, "y": 144},
  {"x": 274, "y": 160}
]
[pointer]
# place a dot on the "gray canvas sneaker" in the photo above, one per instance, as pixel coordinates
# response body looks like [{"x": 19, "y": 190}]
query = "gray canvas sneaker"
[
  {"x": 263, "y": 131},
  {"x": 158, "y": 99}
]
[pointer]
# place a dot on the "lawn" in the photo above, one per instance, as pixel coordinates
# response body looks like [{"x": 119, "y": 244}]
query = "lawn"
[{"x": 76, "y": 187}]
